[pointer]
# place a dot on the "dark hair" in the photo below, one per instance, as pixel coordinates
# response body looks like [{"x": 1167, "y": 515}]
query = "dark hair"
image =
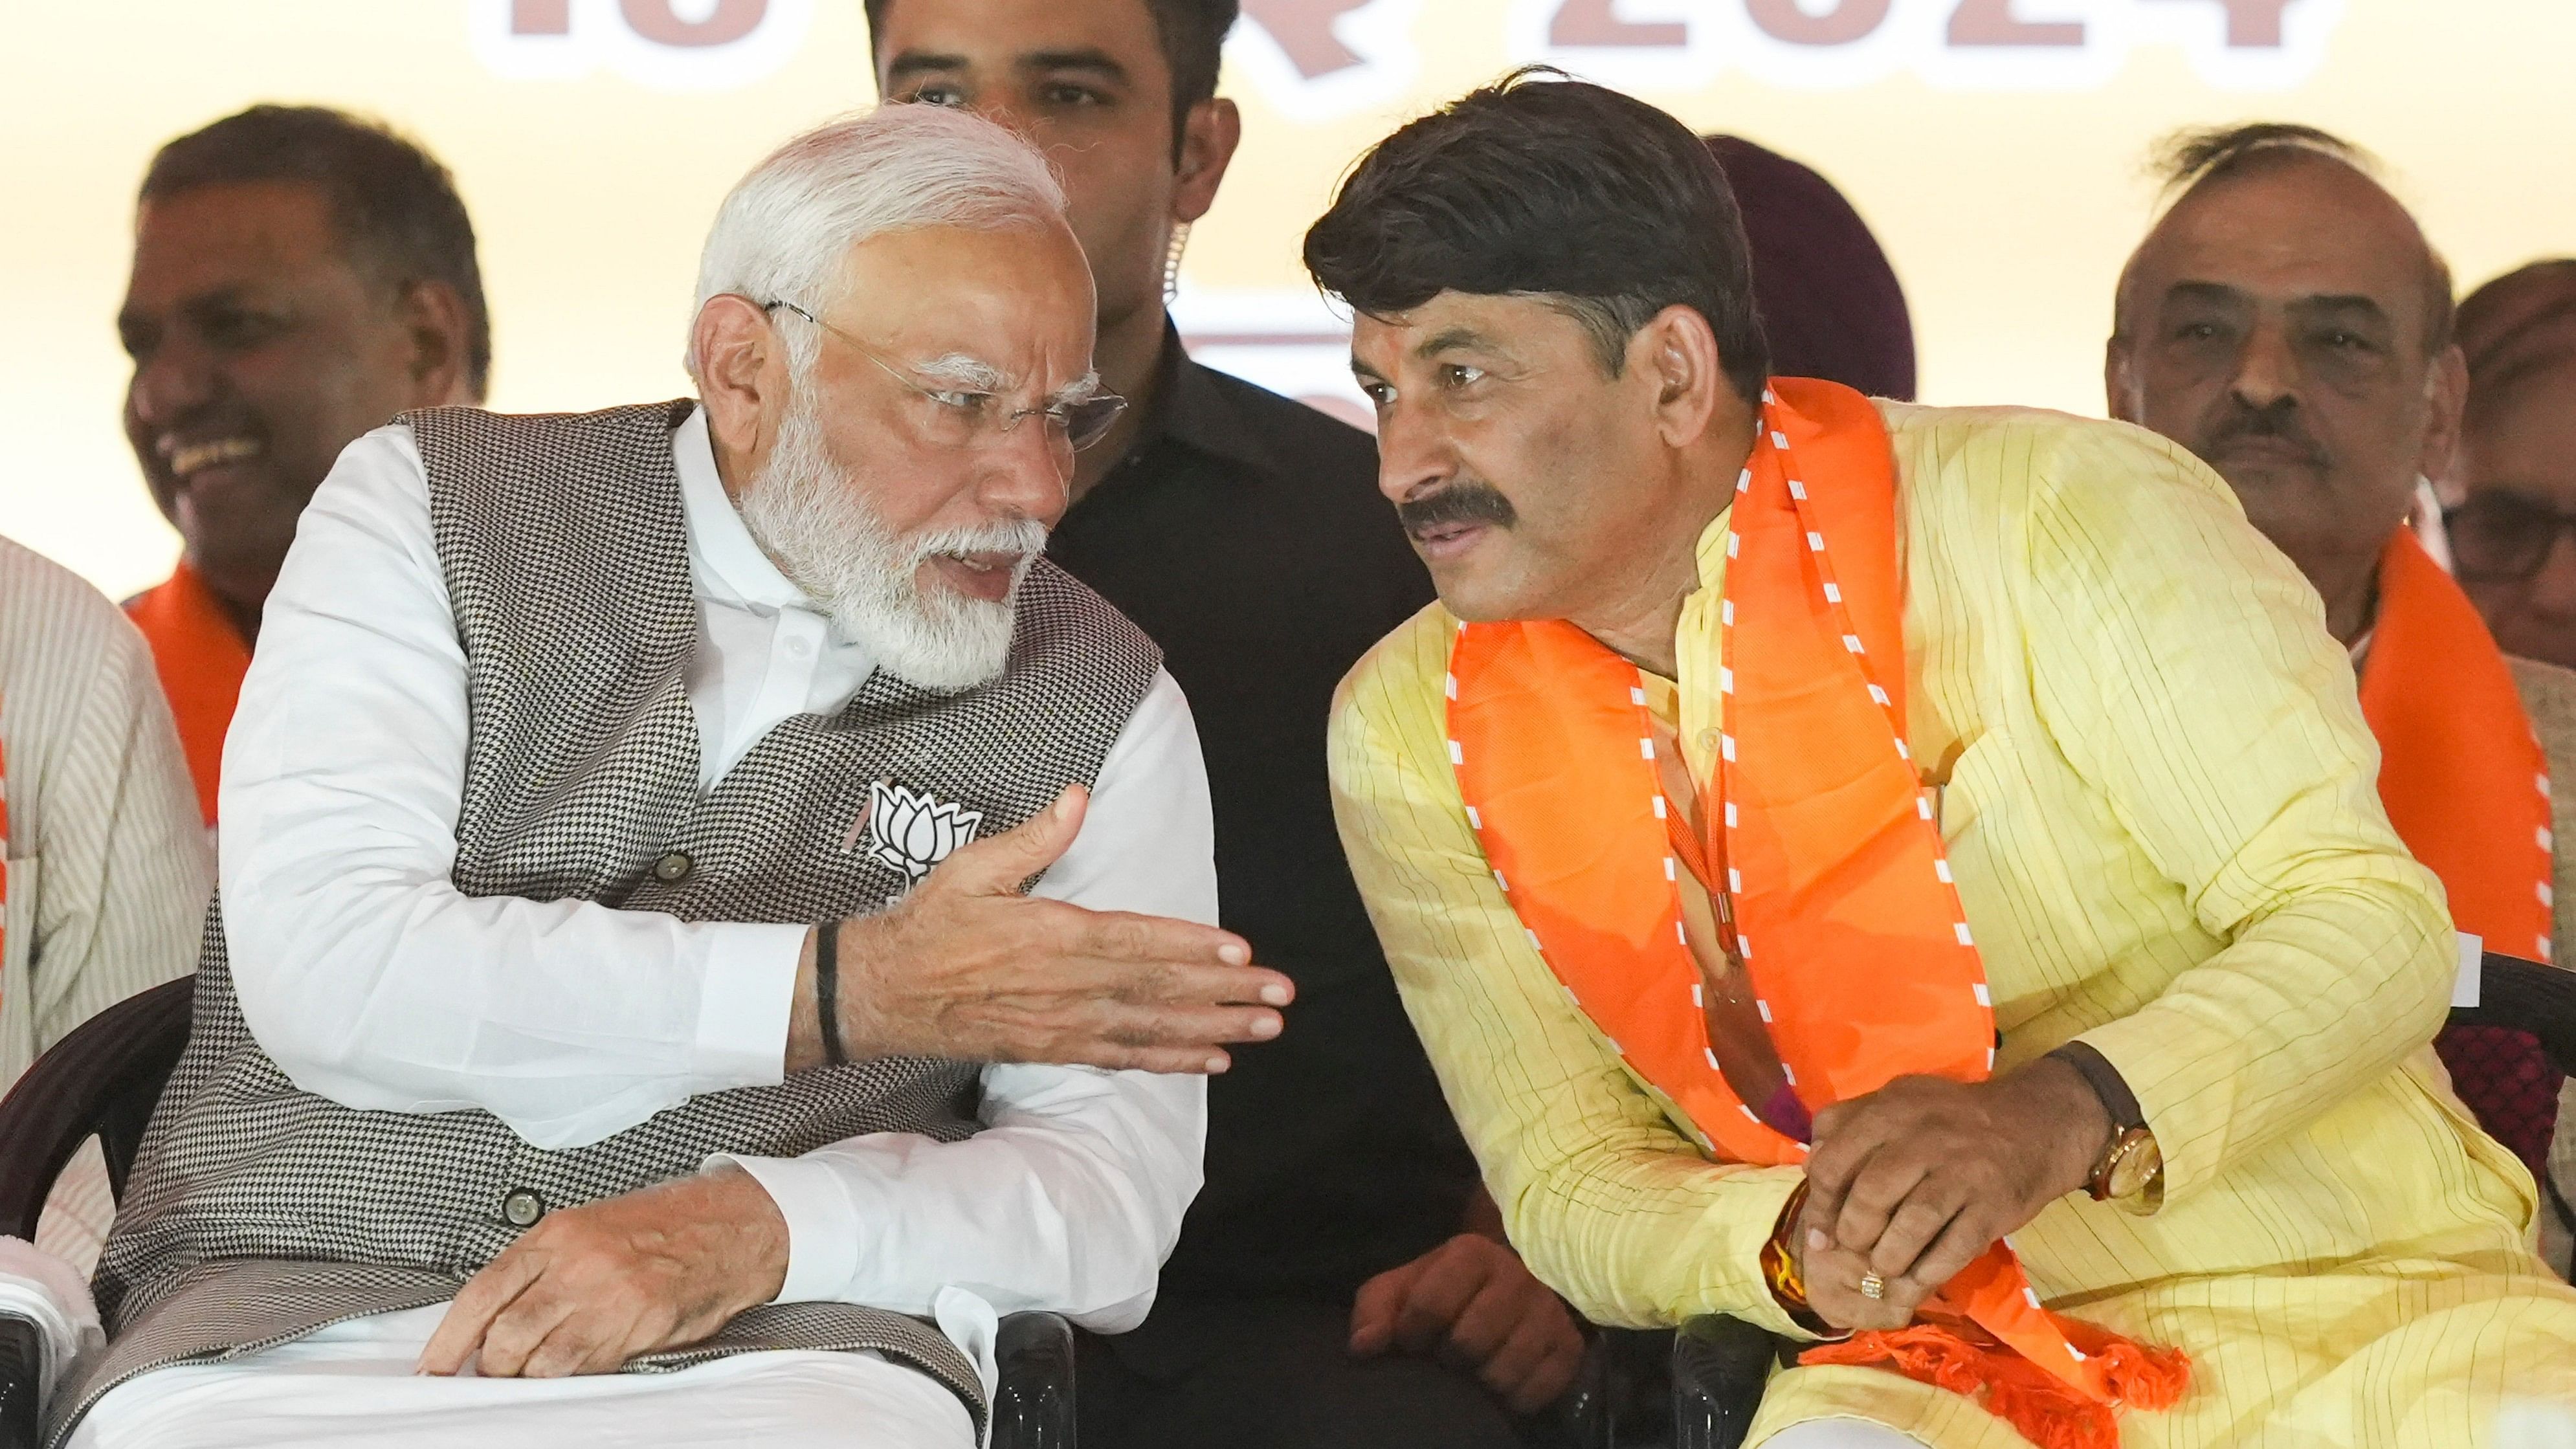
[
  {"x": 1543, "y": 186},
  {"x": 396, "y": 208},
  {"x": 1191, "y": 34},
  {"x": 2190, "y": 159},
  {"x": 1830, "y": 303}
]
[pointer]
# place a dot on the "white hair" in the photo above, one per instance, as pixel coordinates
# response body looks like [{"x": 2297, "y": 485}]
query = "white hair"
[
  {"x": 834, "y": 546},
  {"x": 785, "y": 231},
  {"x": 784, "y": 234}
]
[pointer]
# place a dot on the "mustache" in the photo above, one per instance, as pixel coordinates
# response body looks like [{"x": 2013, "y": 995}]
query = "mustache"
[
  {"x": 2277, "y": 420},
  {"x": 1466, "y": 501},
  {"x": 1025, "y": 537}
]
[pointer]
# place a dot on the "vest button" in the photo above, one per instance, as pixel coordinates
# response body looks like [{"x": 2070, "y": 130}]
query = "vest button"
[
  {"x": 522, "y": 1208},
  {"x": 673, "y": 868}
]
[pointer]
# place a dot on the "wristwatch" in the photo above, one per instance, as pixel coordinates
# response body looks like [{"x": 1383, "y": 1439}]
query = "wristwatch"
[{"x": 2131, "y": 1169}]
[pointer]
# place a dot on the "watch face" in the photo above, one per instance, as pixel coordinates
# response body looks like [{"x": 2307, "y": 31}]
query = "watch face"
[{"x": 2136, "y": 1163}]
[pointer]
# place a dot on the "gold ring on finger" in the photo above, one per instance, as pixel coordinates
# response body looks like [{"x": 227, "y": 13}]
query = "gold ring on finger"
[{"x": 1872, "y": 1287}]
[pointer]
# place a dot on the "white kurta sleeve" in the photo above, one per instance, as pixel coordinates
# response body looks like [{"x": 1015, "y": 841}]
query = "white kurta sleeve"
[
  {"x": 1072, "y": 1195},
  {"x": 361, "y": 969}
]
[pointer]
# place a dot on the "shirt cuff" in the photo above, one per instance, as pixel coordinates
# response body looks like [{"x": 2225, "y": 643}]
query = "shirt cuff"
[
  {"x": 822, "y": 1227},
  {"x": 748, "y": 992},
  {"x": 2133, "y": 1046},
  {"x": 1765, "y": 1195}
]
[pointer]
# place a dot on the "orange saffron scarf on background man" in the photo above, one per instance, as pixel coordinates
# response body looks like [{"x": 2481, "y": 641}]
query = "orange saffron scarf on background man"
[
  {"x": 1845, "y": 917},
  {"x": 2462, "y": 775},
  {"x": 201, "y": 659},
  {"x": 2466, "y": 783}
]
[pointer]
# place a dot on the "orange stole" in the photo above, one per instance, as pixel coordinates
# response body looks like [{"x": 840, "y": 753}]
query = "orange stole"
[
  {"x": 201, "y": 659},
  {"x": 1851, "y": 932},
  {"x": 2464, "y": 779}
]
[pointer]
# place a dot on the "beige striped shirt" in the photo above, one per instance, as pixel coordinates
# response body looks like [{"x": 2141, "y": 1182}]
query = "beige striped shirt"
[{"x": 109, "y": 865}]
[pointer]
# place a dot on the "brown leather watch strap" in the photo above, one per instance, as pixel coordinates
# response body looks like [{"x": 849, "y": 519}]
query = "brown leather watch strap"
[{"x": 2107, "y": 1084}]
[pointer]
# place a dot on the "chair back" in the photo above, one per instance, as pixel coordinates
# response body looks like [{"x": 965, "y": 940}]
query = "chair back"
[
  {"x": 2520, "y": 995},
  {"x": 100, "y": 1081},
  {"x": 2527, "y": 996}
]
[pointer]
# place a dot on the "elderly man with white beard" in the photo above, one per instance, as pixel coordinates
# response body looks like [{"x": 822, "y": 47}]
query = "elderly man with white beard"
[{"x": 626, "y": 957}]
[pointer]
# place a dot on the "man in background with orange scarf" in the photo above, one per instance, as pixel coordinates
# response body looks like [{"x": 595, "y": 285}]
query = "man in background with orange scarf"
[
  {"x": 1905, "y": 877},
  {"x": 2287, "y": 321},
  {"x": 300, "y": 276}
]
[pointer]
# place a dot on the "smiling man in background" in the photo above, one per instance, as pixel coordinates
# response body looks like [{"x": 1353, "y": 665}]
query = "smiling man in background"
[
  {"x": 1341, "y": 1282},
  {"x": 300, "y": 276}
]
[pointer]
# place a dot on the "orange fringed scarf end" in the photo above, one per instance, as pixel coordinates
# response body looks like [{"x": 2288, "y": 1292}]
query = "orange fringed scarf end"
[{"x": 2041, "y": 1408}]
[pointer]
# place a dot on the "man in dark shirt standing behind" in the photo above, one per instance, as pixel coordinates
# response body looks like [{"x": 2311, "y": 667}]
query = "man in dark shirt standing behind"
[{"x": 1342, "y": 1279}]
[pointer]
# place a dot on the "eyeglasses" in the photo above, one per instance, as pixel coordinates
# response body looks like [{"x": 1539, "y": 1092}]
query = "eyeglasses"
[
  {"x": 2501, "y": 538},
  {"x": 962, "y": 417}
]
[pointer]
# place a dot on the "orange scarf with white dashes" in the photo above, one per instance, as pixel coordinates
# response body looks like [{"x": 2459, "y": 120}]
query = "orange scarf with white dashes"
[{"x": 1831, "y": 867}]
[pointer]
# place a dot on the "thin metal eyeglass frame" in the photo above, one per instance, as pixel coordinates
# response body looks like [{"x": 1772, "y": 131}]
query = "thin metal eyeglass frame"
[{"x": 1059, "y": 414}]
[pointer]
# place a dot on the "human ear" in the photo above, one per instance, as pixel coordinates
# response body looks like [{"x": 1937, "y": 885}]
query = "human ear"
[
  {"x": 433, "y": 316},
  {"x": 736, "y": 356},
  {"x": 1677, "y": 353},
  {"x": 1209, "y": 134},
  {"x": 2446, "y": 407}
]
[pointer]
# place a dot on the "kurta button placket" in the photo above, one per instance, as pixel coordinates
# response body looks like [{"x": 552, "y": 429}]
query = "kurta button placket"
[
  {"x": 673, "y": 868},
  {"x": 522, "y": 1207}
]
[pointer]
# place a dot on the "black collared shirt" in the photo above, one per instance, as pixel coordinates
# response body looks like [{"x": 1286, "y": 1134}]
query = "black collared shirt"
[{"x": 1245, "y": 533}]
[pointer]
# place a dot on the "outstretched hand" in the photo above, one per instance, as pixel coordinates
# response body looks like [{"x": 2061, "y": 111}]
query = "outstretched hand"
[{"x": 969, "y": 968}]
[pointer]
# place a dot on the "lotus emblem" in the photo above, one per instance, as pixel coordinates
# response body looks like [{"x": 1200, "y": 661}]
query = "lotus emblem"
[{"x": 912, "y": 832}]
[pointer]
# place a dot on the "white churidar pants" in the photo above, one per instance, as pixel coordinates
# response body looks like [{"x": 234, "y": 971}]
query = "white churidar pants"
[{"x": 353, "y": 1385}]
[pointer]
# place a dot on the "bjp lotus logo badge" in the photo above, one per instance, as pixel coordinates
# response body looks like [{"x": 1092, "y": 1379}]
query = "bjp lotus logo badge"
[{"x": 912, "y": 832}]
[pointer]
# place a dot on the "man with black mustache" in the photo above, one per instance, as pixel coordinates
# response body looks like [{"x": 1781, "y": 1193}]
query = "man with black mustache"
[
  {"x": 2288, "y": 322},
  {"x": 1443, "y": 513},
  {"x": 1340, "y": 1282},
  {"x": 300, "y": 276}
]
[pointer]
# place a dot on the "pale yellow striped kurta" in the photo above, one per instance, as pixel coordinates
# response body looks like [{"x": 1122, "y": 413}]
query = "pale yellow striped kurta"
[{"x": 2159, "y": 804}]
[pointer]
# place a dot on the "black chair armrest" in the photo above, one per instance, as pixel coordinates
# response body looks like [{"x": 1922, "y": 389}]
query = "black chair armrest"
[
  {"x": 1033, "y": 1402},
  {"x": 21, "y": 1350},
  {"x": 2527, "y": 996},
  {"x": 1720, "y": 1367},
  {"x": 100, "y": 1080}
]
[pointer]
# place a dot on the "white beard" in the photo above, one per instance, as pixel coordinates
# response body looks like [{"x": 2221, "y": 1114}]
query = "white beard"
[{"x": 829, "y": 542}]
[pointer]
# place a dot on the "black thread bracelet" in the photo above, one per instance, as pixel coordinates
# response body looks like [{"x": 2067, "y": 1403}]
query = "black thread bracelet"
[{"x": 827, "y": 990}]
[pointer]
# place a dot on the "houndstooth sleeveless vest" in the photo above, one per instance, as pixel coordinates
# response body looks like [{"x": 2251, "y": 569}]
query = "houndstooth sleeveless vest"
[{"x": 258, "y": 1213}]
